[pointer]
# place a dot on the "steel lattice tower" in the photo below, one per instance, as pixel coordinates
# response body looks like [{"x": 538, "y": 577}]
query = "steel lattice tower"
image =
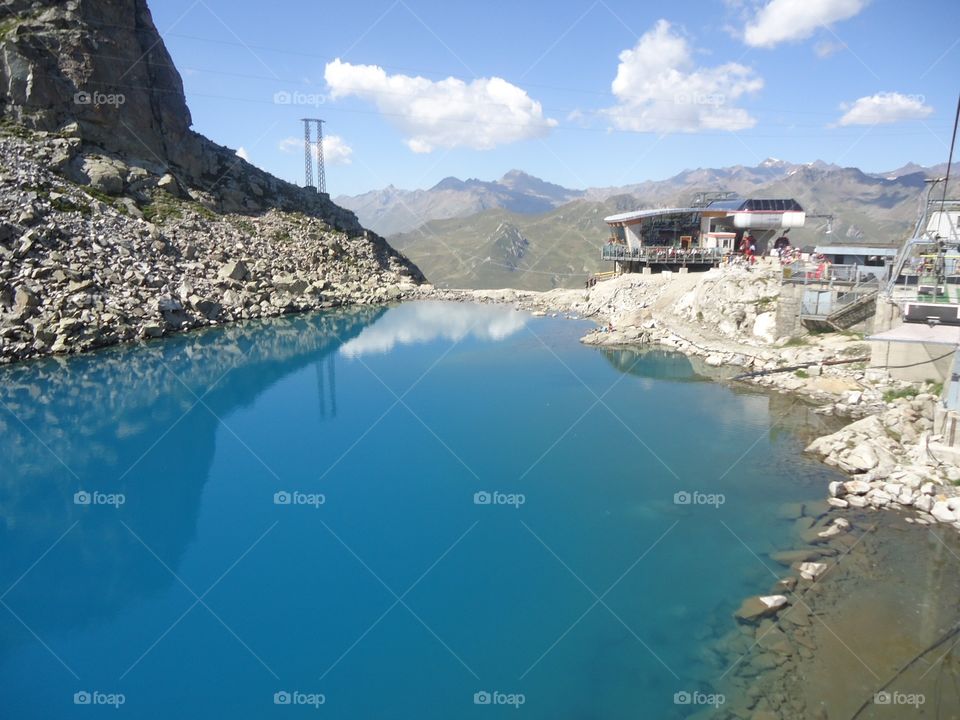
[
  {"x": 309, "y": 148},
  {"x": 307, "y": 159},
  {"x": 321, "y": 172}
]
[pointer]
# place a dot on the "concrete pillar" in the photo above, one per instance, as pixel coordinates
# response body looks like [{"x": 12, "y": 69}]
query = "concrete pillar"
[{"x": 788, "y": 310}]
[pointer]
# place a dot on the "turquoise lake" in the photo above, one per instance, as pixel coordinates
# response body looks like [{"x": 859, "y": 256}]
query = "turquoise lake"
[{"x": 428, "y": 511}]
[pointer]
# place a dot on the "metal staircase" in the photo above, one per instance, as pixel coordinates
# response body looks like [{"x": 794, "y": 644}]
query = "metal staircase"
[
  {"x": 848, "y": 315},
  {"x": 839, "y": 304}
]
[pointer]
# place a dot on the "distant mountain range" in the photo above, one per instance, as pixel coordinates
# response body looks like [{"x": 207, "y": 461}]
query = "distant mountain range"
[
  {"x": 392, "y": 210},
  {"x": 523, "y": 232}
]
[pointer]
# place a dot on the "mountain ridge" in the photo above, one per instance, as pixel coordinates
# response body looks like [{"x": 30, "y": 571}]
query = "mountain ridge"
[{"x": 391, "y": 210}]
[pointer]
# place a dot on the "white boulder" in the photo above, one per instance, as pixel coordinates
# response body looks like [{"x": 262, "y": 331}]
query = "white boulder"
[
  {"x": 812, "y": 570},
  {"x": 857, "y": 487},
  {"x": 765, "y": 327},
  {"x": 942, "y": 512}
]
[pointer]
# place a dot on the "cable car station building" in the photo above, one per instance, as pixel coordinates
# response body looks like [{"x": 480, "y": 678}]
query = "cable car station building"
[{"x": 697, "y": 237}]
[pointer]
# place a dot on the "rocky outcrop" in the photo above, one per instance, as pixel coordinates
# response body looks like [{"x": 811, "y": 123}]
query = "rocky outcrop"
[
  {"x": 97, "y": 75},
  {"x": 118, "y": 222},
  {"x": 736, "y": 303}
]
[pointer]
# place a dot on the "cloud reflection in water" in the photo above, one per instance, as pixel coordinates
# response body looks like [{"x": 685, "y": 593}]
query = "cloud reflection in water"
[{"x": 421, "y": 322}]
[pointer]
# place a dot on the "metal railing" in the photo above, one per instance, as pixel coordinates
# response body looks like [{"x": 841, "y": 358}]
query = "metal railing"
[
  {"x": 608, "y": 275},
  {"x": 662, "y": 255},
  {"x": 922, "y": 242},
  {"x": 919, "y": 286},
  {"x": 829, "y": 302},
  {"x": 806, "y": 273},
  {"x": 840, "y": 300}
]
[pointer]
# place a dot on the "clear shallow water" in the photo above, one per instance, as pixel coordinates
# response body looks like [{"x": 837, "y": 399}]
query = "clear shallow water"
[{"x": 399, "y": 596}]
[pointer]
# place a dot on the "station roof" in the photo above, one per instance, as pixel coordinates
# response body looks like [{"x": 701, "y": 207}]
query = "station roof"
[
  {"x": 642, "y": 214},
  {"x": 756, "y": 205},
  {"x": 920, "y": 333},
  {"x": 718, "y": 207}
]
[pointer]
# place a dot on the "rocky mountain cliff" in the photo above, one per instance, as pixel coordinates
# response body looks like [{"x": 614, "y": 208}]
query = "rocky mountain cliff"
[
  {"x": 118, "y": 221},
  {"x": 97, "y": 73}
]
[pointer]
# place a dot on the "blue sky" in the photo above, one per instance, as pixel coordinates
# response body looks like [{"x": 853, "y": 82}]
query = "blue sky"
[{"x": 586, "y": 93}]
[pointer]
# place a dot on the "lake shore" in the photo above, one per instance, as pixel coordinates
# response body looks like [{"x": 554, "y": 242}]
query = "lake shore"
[{"x": 724, "y": 318}]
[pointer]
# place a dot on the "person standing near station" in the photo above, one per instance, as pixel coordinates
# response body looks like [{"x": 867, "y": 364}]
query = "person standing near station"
[{"x": 750, "y": 248}]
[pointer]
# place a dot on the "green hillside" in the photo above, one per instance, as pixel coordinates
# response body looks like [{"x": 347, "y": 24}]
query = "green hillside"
[{"x": 496, "y": 248}]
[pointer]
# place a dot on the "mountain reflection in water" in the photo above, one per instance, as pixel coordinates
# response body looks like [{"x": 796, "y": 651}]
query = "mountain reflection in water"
[{"x": 92, "y": 422}]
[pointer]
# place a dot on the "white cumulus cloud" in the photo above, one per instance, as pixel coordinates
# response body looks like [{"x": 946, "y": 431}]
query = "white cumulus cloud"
[
  {"x": 884, "y": 107},
  {"x": 785, "y": 20},
  {"x": 289, "y": 144},
  {"x": 660, "y": 88},
  {"x": 451, "y": 113},
  {"x": 243, "y": 154},
  {"x": 336, "y": 151}
]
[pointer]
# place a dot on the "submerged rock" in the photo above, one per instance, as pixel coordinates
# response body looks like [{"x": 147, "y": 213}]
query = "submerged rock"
[
  {"x": 790, "y": 511},
  {"x": 754, "y": 608},
  {"x": 788, "y": 558}
]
